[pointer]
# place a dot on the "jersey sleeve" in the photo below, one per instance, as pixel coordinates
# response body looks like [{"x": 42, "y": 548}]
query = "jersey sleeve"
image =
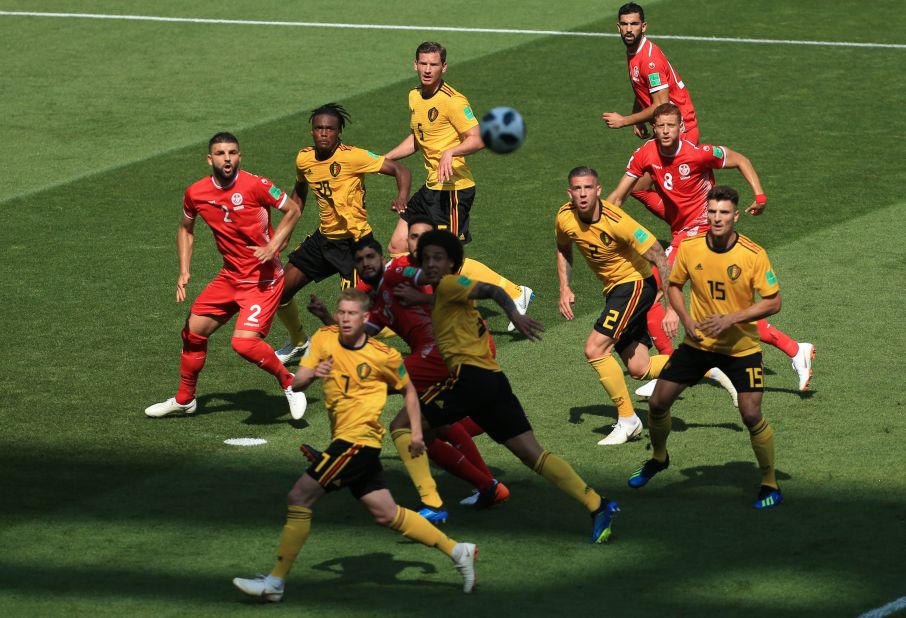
[
  {"x": 633, "y": 234},
  {"x": 680, "y": 274},
  {"x": 188, "y": 206},
  {"x": 765, "y": 281},
  {"x": 460, "y": 113},
  {"x": 711, "y": 156},
  {"x": 300, "y": 166},
  {"x": 363, "y": 161},
  {"x": 455, "y": 289},
  {"x": 394, "y": 371},
  {"x": 270, "y": 194},
  {"x": 655, "y": 73},
  {"x": 636, "y": 165},
  {"x": 563, "y": 239},
  {"x": 316, "y": 352}
]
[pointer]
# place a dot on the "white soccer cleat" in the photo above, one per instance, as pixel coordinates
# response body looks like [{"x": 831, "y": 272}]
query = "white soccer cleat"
[
  {"x": 165, "y": 408},
  {"x": 621, "y": 434},
  {"x": 721, "y": 378},
  {"x": 268, "y": 588},
  {"x": 802, "y": 363},
  {"x": 522, "y": 303},
  {"x": 291, "y": 353},
  {"x": 464, "y": 559},
  {"x": 646, "y": 389},
  {"x": 471, "y": 500},
  {"x": 297, "y": 403}
]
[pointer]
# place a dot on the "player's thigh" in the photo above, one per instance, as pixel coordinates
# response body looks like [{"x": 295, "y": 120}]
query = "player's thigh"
[
  {"x": 745, "y": 372},
  {"x": 293, "y": 281},
  {"x": 305, "y": 492},
  {"x": 310, "y": 257},
  {"x": 258, "y": 305},
  {"x": 344, "y": 464},
  {"x": 625, "y": 315},
  {"x": 217, "y": 302},
  {"x": 685, "y": 367}
]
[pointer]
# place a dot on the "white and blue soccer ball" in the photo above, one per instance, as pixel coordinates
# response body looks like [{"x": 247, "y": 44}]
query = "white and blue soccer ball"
[{"x": 502, "y": 130}]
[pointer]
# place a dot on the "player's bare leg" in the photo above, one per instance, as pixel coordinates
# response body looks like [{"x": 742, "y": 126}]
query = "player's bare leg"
[
  {"x": 288, "y": 313},
  {"x": 598, "y": 352},
  {"x": 801, "y": 354}
]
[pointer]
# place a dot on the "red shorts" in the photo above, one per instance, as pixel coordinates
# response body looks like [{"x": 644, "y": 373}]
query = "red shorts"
[
  {"x": 426, "y": 368},
  {"x": 256, "y": 303}
]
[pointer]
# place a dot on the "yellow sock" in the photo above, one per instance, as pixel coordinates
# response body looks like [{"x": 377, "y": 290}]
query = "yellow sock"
[
  {"x": 611, "y": 376},
  {"x": 418, "y": 469},
  {"x": 762, "y": 436},
  {"x": 658, "y": 430},
  {"x": 473, "y": 269},
  {"x": 289, "y": 315},
  {"x": 295, "y": 532},
  {"x": 655, "y": 366},
  {"x": 415, "y": 527},
  {"x": 565, "y": 478}
]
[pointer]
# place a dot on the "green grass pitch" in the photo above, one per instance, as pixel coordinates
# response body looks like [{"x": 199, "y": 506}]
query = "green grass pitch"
[{"x": 105, "y": 512}]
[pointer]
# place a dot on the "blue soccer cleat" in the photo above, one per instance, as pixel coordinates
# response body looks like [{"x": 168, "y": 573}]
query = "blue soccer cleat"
[
  {"x": 602, "y": 521},
  {"x": 768, "y": 497},
  {"x": 647, "y": 470},
  {"x": 433, "y": 515}
]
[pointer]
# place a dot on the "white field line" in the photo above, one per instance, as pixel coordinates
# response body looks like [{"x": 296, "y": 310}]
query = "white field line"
[
  {"x": 887, "y": 610},
  {"x": 308, "y": 24}
]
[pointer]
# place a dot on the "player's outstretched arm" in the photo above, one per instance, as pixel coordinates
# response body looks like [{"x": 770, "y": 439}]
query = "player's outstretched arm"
[
  {"x": 714, "y": 325},
  {"x": 619, "y": 193},
  {"x": 736, "y": 160},
  {"x": 565, "y": 275},
  {"x": 403, "y": 183},
  {"x": 414, "y": 412},
  {"x": 471, "y": 143},
  {"x": 524, "y": 324},
  {"x": 405, "y": 148},
  {"x": 185, "y": 241},
  {"x": 618, "y": 121},
  {"x": 678, "y": 302}
]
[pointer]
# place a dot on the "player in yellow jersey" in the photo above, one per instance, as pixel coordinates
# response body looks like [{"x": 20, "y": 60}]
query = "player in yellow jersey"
[
  {"x": 477, "y": 386},
  {"x": 726, "y": 270},
  {"x": 335, "y": 173},
  {"x": 620, "y": 252},
  {"x": 357, "y": 371}
]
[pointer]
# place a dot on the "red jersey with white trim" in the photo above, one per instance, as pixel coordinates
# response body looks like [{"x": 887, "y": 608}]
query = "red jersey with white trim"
[
  {"x": 683, "y": 179},
  {"x": 239, "y": 216},
  {"x": 650, "y": 71},
  {"x": 412, "y": 323}
]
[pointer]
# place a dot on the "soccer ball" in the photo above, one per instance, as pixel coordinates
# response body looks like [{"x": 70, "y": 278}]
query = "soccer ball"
[{"x": 502, "y": 130}]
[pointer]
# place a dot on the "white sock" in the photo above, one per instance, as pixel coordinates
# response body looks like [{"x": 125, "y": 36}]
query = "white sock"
[{"x": 629, "y": 421}]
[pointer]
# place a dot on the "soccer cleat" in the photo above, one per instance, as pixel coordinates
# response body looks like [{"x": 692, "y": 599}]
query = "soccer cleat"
[
  {"x": 497, "y": 494},
  {"x": 471, "y": 500},
  {"x": 721, "y": 378},
  {"x": 265, "y": 588},
  {"x": 621, "y": 435},
  {"x": 433, "y": 515},
  {"x": 647, "y": 470},
  {"x": 464, "y": 555},
  {"x": 602, "y": 521},
  {"x": 802, "y": 363},
  {"x": 297, "y": 402},
  {"x": 768, "y": 497},
  {"x": 165, "y": 408},
  {"x": 291, "y": 353},
  {"x": 311, "y": 453},
  {"x": 646, "y": 389},
  {"x": 522, "y": 303}
]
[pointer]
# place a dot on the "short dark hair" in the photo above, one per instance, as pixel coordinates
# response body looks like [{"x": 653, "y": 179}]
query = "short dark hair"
[
  {"x": 331, "y": 109},
  {"x": 582, "y": 170},
  {"x": 723, "y": 193},
  {"x": 223, "y": 137},
  {"x": 629, "y": 8},
  {"x": 446, "y": 241},
  {"x": 367, "y": 242},
  {"x": 665, "y": 109},
  {"x": 432, "y": 47},
  {"x": 421, "y": 219}
]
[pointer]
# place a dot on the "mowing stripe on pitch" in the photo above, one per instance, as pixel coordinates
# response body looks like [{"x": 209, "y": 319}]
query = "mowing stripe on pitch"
[
  {"x": 887, "y": 610},
  {"x": 311, "y": 24}
]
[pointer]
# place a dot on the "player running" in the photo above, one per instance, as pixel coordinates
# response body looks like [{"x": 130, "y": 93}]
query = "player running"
[
  {"x": 236, "y": 206},
  {"x": 357, "y": 371}
]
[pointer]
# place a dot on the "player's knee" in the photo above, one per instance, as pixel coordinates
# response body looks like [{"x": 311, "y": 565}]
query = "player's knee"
[
  {"x": 658, "y": 407},
  {"x": 400, "y": 421},
  {"x": 638, "y": 370},
  {"x": 295, "y": 497}
]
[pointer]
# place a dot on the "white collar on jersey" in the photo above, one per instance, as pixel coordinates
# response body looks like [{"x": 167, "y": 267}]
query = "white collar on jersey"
[{"x": 214, "y": 182}]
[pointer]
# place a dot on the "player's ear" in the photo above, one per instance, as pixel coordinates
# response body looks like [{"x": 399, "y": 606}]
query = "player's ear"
[{"x": 443, "y": 68}]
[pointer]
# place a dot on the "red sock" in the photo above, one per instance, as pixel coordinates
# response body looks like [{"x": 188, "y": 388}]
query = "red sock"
[
  {"x": 194, "y": 354},
  {"x": 257, "y": 352},
  {"x": 777, "y": 338},
  {"x": 656, "y": 330},
  {"x": 457, "y": 435},
  {"x": 652, "y": 201},
  {"x": 456, "y": 463},
  {"x": 473, "y": 428}
]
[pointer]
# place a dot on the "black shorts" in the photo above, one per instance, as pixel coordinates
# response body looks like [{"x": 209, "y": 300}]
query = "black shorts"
[
  {"x": 688, "y": 365},
  {"x": 484, "y": 395},
  {"x": 319, "y": 257},
  {"x": 625, "y": 315},
  {"x": 448, "y": 210},
  {"x": 345, "y": 464}
]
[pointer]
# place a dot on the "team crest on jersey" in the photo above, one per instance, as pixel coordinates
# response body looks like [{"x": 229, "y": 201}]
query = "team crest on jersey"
[
  {"x": 363, "y": 370},
  {"x": 335, "y": 169},
  {"x": 432, "y": 114},
  {"x": 236, "y": 199},
  {"x": 651, "y": 65},
  {"x": 733, "y": 271},
  {"x": 684, "y": 170},
  {"x": 607, "y": 240}
]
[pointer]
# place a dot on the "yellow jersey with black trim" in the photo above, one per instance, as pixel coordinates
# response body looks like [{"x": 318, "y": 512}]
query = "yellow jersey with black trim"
[
  {"x": 725, "y": 282},
  {"x": 437, "y": 122},
  {"x": 612, "y": 246},
  {"x": 462, "y": 336},
  {"x": 356, "y": 390},
  {"x": 339, "y": 188}
]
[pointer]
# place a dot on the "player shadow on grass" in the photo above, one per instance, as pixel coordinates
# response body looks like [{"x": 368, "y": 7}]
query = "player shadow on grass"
[
  {"x": 263, "y": 408},
  {"x": 379, "y": 568},
  {"x": 732, "y": 473},
  {"x": 576, "y": 417}
]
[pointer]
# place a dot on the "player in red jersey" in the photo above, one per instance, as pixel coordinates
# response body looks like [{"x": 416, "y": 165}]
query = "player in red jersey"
[
  {"x": 453, "y": 449},
  {"x": 683, "y": 175},
  {"x": 236, "y": 206}
]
